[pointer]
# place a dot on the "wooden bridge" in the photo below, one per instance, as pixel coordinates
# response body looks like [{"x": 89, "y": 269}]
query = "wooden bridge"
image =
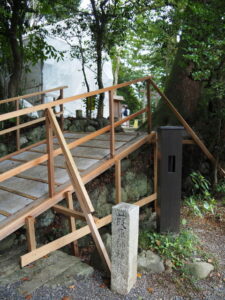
[{"x": 36, "y": 178}]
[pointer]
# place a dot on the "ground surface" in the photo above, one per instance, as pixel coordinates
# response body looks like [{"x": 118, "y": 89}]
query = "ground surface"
[{"x": 211, "y": 232}]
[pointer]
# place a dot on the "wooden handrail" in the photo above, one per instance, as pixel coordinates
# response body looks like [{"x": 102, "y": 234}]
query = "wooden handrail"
[
  {"x": 32, "y": 94},
  {"x": 58, "y": 151},
  {"x": 187, "y": 127},
  {"x": 29, "y": 110}
]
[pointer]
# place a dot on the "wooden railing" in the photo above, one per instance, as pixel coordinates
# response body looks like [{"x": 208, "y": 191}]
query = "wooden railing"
[
  {"x": 60, "y": 102},
  {"x": 78, "y": 181},
  {"x": 17, "y": 100},
  {"x": 51, "y": 153}
]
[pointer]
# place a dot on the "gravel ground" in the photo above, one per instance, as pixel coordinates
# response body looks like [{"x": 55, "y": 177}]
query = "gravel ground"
[{"x": 149, "y": 286}]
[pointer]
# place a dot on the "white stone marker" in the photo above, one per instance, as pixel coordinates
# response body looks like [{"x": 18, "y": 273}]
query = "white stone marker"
[{"x": 125, "y": 223}]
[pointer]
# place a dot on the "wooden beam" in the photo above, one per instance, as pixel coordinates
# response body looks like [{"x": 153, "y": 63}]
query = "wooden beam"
[
  {"x": 35, "y": 179},
  {"x": 58, "y": 151},
  {"x": 31, "y": 241},
  {"x": 146, "y": 200},
  {"x": 41, "y": 205},
  {"x": 73, "y": 171},
  {"x": 149, "y": 113},
  {"x": 187, "y": 127},
  {"x": 32, "y": 94},
  {"x": 51, "y": 169},
  {"x": 112, "y": 129},
  {"x": 18, "y": 193},
  {"x": 61, "y": 242},
  {"x": 72, "y": 223},
  {"x": 18, "y": 130},
  {"x": 69, "y": 212},
  {"x": 110, "y": 162},
  {"x": 188, "y": 142},
  {"x": 44, "y": 106},
  {"x": 17, "y": 127},
  {"x": 118, "y": 180},
  {"x": 75, "y": 235},
  {"x": 61, "y": 110},
  {"x": 81, "y": 192},
  {"x": 21, "y": 150},
  {"x": 4, "y": 213}
]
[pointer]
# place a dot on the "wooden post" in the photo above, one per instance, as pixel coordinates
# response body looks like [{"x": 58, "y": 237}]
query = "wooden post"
[
  {"x": 31, "y": 241},
  {"x": 149, "y": 113},
  {"x": 112, "y": 130},
  {"x": 51, "y": 171},
  {"x": 18, "y": 130},
  {"x": 61, "y": 110},
  {"x": 118, "y": 180},
  {"x": 72, "y": 223}
]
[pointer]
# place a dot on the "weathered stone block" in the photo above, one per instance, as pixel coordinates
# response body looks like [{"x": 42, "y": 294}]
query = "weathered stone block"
[{"x": 125, "y": 221}]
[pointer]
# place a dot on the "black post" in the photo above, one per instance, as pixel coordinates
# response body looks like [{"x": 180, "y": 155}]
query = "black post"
[{"x": 169, "y": 180}]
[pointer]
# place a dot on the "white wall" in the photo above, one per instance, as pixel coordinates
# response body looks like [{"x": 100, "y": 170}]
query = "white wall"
[{"x": 68, "y": 72}]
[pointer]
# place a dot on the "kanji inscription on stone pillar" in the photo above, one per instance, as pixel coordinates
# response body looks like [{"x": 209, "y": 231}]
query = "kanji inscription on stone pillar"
[{"x": 125, "y": 223}]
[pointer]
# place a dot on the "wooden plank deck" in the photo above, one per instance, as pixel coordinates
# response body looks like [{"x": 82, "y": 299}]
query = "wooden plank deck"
[{"x": 21, "y": 191}]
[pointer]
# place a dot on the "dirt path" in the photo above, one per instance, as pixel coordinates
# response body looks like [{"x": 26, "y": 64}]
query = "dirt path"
[{"x": 164, "y": 286}]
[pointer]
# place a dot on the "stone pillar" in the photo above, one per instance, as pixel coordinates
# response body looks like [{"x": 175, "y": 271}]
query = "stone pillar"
[{"x": 125, "y": 223}]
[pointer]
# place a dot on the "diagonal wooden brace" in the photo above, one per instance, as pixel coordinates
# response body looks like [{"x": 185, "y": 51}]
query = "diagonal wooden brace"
[{"x": 81, "y": 192}]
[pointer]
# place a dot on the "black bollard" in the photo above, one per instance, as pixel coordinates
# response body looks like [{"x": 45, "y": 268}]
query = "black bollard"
[{"x": 169, "y": 178}]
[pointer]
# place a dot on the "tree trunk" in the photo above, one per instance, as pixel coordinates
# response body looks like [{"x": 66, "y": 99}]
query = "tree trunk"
[
  {"x": 99, "y": 81},
  {"x": 183, "y": 91},
  {"x": 17, "y": 63}
]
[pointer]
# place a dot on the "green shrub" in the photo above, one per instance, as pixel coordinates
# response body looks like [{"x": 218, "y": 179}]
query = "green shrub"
[
  {"x": 201, "y": 201},
  {"x": 177, "y": 248}
]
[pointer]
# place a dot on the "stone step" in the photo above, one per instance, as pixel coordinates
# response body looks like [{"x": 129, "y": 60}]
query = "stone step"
[{"x": 57, "y": 268}]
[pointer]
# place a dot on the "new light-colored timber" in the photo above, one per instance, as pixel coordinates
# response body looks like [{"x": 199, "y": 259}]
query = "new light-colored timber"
[
  {"x": 22, "y": 126},
  {"x": 75, "y": 235},
  {"x": 44, "y": 106},
  {"x": 118, "y": 180},
  {"x": 35, "y": 179},
  {"x": 72, "y": 223},
  {"x": 17, "y": 131},
  {"x": 51, "y": 167},
  {"x": 21, "y": 150},
  {"x": 17, "y": 193},
  {"x": 58, "y": 151},
  {"x": 69, "y": 212},
  {"x": 4, "y": 213},
  {"x": 73, "y": 171},
  {"x": 186, "y": 126},
  {"x": 41, "y": 205},
  {"x": 80, "y": 190},
  {"x": 59, "y": 191},
  {"x": 31, "y": 240},
  {"x": 33, "y": 94},
  {"x": 112, "y": 129},
  {"x": 148, "y": 94},
  {"x": 61, "y": 242}
]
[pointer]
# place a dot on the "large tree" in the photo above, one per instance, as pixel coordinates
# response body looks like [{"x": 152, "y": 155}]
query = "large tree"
[
  {"x": 100, "y": 28},
  {"x": 20, "y": 19}
]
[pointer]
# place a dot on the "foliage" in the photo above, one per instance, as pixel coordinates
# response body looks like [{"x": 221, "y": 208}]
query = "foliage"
[
  {"x": 199, "y": 207},
  {"x": 99, "y": 28},
  {"x": 22, "y": 41},
  {"x": 177, "y": 248},
  {"x": 201, "y": 201},
  {"x": 130, "y": 93},
  {"x": 220, "y": 187}
]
